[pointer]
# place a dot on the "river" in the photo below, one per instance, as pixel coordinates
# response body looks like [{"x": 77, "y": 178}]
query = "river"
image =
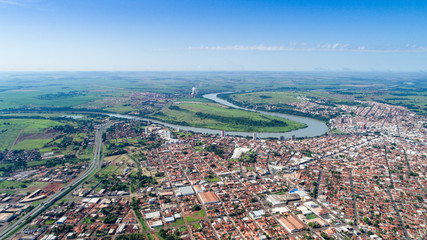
[{"x": 314, "y": 127}]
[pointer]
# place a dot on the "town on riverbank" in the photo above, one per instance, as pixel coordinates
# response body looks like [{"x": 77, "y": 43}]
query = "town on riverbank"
[{"x": 157, "y": 165}]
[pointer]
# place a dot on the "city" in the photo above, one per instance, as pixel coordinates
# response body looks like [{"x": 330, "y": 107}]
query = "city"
[{"x": 364, "y": 181}]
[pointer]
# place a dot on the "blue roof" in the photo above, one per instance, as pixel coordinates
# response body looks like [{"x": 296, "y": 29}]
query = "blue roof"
[{"x": 293, "y": 190}]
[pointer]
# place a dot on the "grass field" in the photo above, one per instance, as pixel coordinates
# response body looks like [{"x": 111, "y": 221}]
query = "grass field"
[
  {"x": 79, "y": 137},
  {"x": 197, "y": 216},
  {"x": 11, "y": 128},
  {"x": 215, "y": 116},
  {"x": 124, "y": 158},
  {"x": 285, "y": 97},
  {"x": 109, "y": 170},
  {"x": 19, "y": 89},
  {"x": 178, "y": 222},
  {"x": 31, "y": 144},
  {"x": 212, "y": 179},
  {"x": 120, "y": 108},
  {"x": 267, "y": 97},
  {"x": 16, "y": 187}
]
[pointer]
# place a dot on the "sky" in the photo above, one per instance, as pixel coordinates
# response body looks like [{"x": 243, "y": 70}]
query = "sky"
[{"x": 217, "y": 35}]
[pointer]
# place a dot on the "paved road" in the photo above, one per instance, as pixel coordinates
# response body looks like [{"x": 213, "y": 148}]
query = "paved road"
[
  {"x": 94, "y": 165},
  {"x": 353, "y": 198},
  {"x": 399, "y": 217}
]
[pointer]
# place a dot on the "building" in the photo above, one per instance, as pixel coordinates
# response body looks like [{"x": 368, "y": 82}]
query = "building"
[
  {"x": 6, "y": 217},
  {"x": 154, "y": 224},
  {"x": 208, "y": 198},
  {"x": 152, "y": 215},
  {"x": 257, "y": 214},
  {"x": 121, "y": 228},
  {"x": 282, "y": 199},
  {"x": 292, "y": 224},
  {"x": 49, "y": 237},
  {"x": 198, "y": 188},
  {"x": 185, "y": 191},
  {"x": 167, "y": 134},
  {"x": 61, "y": 220}
]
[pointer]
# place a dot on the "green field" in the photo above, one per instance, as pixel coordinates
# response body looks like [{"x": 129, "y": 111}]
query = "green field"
[
  {"x": 79, "y": 137},
  {"x": 31, "y": 144},
  {"x": 22, "y": 187},
  {"x": 267, "y": 97},
  {"x": 215, "y": 116},
  {"x": 11, "y": 128},
  {"x": 286, "y": 97},
  {"x": 89, "y": 90},
  {"x": 197, "y": 216},
  {"x": 178, "y": 222}
]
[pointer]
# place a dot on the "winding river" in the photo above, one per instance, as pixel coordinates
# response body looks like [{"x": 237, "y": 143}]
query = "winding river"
[{"x": 314, "y": 127}]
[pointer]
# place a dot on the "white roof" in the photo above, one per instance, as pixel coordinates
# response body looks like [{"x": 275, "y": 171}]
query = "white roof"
[
  {"x": 152, "y": 215},
  {"x": 238, "y": 152}
]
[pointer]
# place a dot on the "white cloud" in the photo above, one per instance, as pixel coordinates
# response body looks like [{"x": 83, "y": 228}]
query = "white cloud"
[{"x": 328, "y": 47}]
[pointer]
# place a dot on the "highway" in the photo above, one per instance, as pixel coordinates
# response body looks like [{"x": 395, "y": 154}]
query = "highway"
[{"x": 94, "y": 166}]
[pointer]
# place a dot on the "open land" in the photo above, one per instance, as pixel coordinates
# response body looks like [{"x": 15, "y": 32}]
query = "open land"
[{"x": 216, "y": 116}]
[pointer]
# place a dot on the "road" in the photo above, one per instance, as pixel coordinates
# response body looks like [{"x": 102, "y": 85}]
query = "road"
[
  {"x": 399, "y": 217},
  {"x": 353, "y": 198},
  {"x": 94, "y": 165}
]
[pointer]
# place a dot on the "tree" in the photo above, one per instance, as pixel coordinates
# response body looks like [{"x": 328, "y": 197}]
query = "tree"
[
  {"x": 314, "y": 225},
  {"x": 110, "y": 219}
]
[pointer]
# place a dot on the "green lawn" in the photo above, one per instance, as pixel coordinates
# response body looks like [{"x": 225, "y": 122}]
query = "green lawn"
[
  {"x": 49, "y": 222},
  {"x": 191, "y": 219},
  {"x": 195, "y": 217},
  {"x": 197, "y": 226},
  {"x": 178, "y": 222},
  {"x": 88, "y": 220},
  {"x": 311, "y": 216},
  {"x": 212, "y": 179},
  {"x": 216, "y": 116}
]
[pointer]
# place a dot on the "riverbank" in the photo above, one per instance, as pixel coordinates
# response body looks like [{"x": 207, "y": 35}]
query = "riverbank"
[
  {"x": 219, "y": 117},
  {"x": 314, "y": 127}
]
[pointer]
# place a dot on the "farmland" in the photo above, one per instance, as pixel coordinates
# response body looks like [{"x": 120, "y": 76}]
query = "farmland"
[
  {"x": 275, "y": 98},
  {"x": 28, "y": 133}
]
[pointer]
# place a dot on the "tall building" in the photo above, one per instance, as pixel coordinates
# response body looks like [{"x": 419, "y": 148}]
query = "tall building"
[
  {"x": 147, "y": 130},
  {"x": 222, "y": 133},
  {"x": 254, "y": 137},
  {"x": 193, "y": 91},
  {"x": 167, "y": 134}
]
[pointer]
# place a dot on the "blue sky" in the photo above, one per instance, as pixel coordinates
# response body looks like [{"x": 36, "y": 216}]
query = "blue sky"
[{"x": 298, "y": 35}]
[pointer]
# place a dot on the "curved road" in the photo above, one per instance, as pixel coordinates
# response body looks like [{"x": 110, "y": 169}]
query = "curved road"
[{"x": 94, "y": 165}]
